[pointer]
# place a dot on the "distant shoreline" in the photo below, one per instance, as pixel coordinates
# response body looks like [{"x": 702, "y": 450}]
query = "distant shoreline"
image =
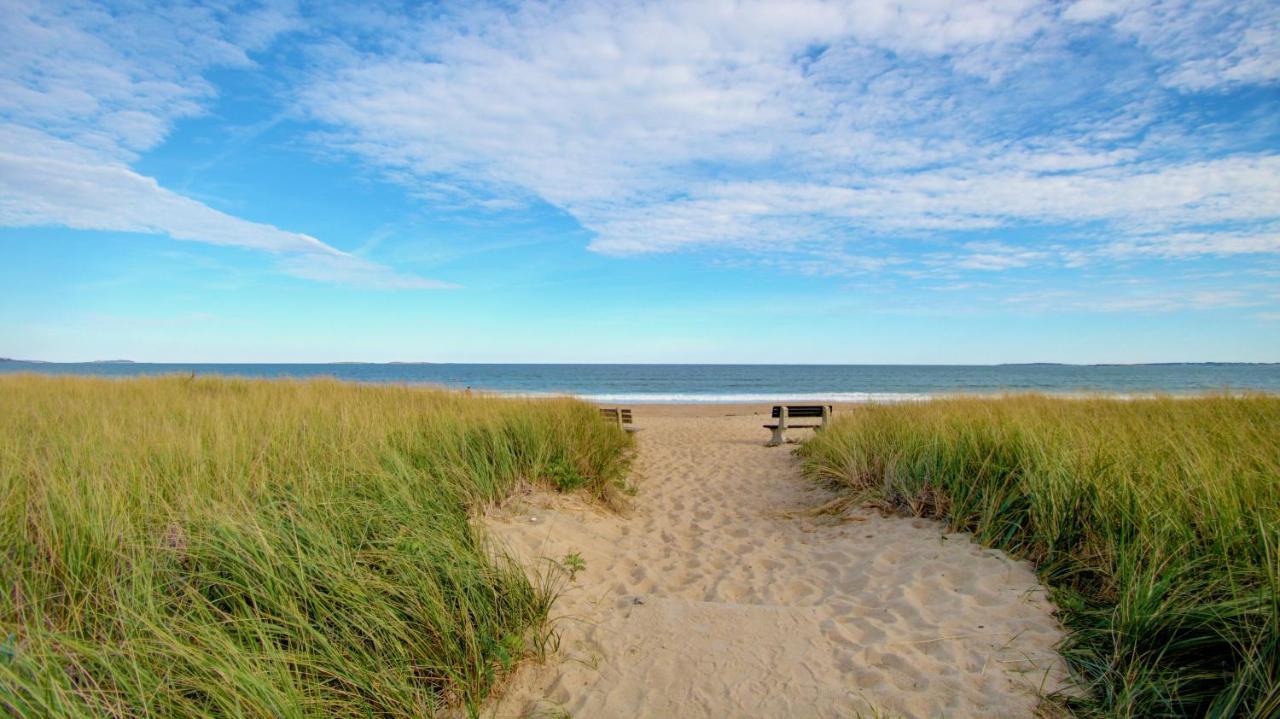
[
  {"x": 398, "y": 363},
  {"x": 737, "y": 384}
]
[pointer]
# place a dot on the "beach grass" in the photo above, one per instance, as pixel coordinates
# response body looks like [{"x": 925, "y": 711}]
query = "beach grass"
[
  {"x": 192, "y": 546},
  {"x": 1155, "y": 524}
]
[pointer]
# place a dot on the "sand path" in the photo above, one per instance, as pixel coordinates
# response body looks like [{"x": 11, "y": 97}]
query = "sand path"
[{"x": 706, "y": 600}]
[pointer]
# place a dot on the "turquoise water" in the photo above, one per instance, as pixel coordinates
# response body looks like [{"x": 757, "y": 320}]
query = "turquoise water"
[{"x": 741, "y": 383}]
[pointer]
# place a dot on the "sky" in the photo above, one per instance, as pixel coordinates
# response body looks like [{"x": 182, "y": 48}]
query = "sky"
[{"x": 862, "y": 182}]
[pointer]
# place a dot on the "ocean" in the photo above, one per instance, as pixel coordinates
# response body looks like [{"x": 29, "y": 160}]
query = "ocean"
[{"x": 740, "y": 383}]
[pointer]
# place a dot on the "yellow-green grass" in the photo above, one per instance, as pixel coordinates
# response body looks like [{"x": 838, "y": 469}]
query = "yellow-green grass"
[
  {"x": 1154, "y": 523},
  {"x": 216, "y": 547}
]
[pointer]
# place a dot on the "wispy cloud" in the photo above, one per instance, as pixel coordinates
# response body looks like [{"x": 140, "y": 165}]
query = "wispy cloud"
[
  {"x": 1196, "y": 45},
  {"x": 38, "y": 191},
  {"x": 771, "y": 127},
  {"x": 1141, "y": 300},
  {"x": 1262, "y": 240},
  {"x": 834, "y": 138},
  {"x": 85, "y": 89},
  {"x": 355, "y": 271}
]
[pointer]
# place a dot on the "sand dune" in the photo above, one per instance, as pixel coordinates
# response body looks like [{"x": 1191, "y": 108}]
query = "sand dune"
[{"x": 708, "y": 600}]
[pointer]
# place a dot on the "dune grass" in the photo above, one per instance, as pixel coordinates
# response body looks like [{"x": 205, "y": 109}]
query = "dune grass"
[
  {"x": 216, "y": 547},
  {"x": 1154, "y": 523}
]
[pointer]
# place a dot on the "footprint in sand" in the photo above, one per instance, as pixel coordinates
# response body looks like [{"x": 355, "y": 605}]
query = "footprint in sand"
[{"x": 677, "y": 613}]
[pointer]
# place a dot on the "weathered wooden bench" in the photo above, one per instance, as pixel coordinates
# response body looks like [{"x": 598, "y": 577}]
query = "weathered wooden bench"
[
  {"x": 785, "y": 413},
  {"x": 620, "y": 415}
]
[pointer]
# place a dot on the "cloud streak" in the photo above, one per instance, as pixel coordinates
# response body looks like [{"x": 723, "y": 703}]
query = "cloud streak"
[
  {"x": 38, "y": 192},
  {"x": 85, "y": 90}
]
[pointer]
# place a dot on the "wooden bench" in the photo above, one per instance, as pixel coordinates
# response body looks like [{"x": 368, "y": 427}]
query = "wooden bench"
[
  {"x": 621, "y": 416},
  {"x": 784, "y": 413}
]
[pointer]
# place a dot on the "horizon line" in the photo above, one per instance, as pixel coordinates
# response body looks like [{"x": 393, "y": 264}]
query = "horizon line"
[{"x": 649, "y": 364}]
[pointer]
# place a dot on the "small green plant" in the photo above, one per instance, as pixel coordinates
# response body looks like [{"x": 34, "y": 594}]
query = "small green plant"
[
  {"x": 509, "y": 650},
  {"x": 564, "y": 476},
  {"x": 573, "y": 563}
]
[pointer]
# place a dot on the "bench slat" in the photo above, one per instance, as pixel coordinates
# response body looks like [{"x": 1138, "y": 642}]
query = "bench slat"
[
  {"x": 800, "y": 410},
  {"x": 613, "y": 414}
]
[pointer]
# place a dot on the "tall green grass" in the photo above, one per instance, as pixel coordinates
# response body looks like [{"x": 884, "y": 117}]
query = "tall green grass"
[
  {"x": 216, "y": 547},
  {"x": 1155, "y": 524}
]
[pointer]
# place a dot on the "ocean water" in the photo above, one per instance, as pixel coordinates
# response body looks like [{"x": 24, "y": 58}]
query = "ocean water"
[{"x": 742, "y": 383}]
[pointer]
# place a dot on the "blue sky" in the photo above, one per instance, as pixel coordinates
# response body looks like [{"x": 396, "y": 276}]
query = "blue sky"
[{"x": 933, "y": 182}]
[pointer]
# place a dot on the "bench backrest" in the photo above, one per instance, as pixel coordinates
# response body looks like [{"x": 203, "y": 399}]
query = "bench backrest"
[
  {"x": 801, "y": 410},
  {"x": 615, "y": 414}
]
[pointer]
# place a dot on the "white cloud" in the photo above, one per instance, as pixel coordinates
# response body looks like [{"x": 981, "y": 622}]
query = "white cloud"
[
  {"x": 1144, "y": 300},
  {"x": 800, "y": 131},
  {"x": 41, "y": 192},
  {"x": 1196, "y": 244},
  {"x": 351, "y": 270},
  {"x": 995, "y": 256},
  {"x": 1197, "y": 44},
  {"x": 113, "y": 80},
  {"x": 773, "y": 127},
  {"x": 84, "y": 90}
]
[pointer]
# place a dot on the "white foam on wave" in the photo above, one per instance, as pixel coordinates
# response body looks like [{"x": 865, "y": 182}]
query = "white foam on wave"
[
  {"x": 751, "y": 398},
  {"x": 834, "y": 397}
]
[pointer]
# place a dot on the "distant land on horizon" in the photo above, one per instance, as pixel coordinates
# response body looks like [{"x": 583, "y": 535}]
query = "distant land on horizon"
[{"x": 677, "y": 364}]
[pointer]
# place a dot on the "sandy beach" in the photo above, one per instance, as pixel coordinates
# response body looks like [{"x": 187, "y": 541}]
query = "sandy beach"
[{"x": 716, "y": 595}]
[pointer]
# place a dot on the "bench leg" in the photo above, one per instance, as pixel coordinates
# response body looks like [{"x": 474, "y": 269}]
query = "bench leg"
[{"x": 779, "y": 437}]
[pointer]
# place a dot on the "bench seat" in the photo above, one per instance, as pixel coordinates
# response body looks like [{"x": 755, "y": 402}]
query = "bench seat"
[
  {"x": 784, "y": 413},
  {"x": 620, "y": 416}
]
